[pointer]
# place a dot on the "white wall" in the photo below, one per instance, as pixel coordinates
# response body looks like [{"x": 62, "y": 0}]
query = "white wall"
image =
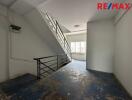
[
  {"x": 100, "y": 45},
  {"x": 76, "y": 38},
  {"x": 41, "y": 24},
  {"x": 123, "y": 51},
  {"x": 24, "y": 46},
  {"x": 3, "y": 47}
]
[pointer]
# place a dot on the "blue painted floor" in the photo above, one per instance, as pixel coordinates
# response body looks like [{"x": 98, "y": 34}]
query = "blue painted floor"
[{"x": 72, "y": 82}]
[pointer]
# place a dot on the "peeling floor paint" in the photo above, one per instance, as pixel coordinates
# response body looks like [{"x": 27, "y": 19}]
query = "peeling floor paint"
[{"x": 72, "y": 82}]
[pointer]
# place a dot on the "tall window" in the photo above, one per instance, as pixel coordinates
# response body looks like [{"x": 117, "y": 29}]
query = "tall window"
[{"x": 78, "y": 47}]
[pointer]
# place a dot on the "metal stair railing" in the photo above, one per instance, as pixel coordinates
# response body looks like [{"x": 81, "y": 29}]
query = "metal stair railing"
[
  {"x": 59, "y": 34},
  {"x": 48, "y": 65}
]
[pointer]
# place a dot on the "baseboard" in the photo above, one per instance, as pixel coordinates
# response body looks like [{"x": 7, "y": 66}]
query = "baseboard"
[
  {"x": 98, "y": 70},
  {"x": 122, "y": 86}
]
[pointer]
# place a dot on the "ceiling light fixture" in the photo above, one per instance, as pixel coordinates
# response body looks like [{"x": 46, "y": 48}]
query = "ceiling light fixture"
[{"x": 76, "y": 26}]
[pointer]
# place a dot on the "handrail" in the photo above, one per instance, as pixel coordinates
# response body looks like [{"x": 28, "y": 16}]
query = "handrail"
[
  {"x": 62, "y": 33},
  {"x": 51, "y": 19},
  {"x": 44, "y": 57},
  {"x": 59, "y": 33},
  {"x": 48, "y": 56},
  {"x": 42, "y": 64}
]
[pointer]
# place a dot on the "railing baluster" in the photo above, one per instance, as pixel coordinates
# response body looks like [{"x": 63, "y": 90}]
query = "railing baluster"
[
  {"x": 56, "y": 27},
  {"x": 64, "y": 42},
  {"x": 38, "y": 69},
  {"x": 57, "y": 62}
]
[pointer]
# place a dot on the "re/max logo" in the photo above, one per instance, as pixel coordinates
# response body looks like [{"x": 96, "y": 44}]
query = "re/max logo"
[{"x": 113, "y": 6}]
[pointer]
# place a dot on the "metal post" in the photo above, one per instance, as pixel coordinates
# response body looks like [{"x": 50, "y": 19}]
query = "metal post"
[
  {"x": 56, "y": 28},
  {"x": 38, "y": 69},
  {"x": 57, "y": 62},
  {"x": 64, "y": 42}
]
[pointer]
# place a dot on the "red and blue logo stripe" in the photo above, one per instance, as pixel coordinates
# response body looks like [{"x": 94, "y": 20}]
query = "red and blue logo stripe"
[{"x": 113, "y": 6}]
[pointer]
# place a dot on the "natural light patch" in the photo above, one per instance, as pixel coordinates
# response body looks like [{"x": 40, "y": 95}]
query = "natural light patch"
[{"x": 78, "y": 47}]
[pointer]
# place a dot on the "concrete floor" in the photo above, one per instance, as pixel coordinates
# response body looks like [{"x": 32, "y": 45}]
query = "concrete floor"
[{"x": 72, "y": 82}]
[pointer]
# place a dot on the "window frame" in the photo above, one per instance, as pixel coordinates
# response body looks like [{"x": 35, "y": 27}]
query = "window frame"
[{"x": 80, "y": 47}]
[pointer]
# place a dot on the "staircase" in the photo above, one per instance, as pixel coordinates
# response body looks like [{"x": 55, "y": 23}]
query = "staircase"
[
  {"x": 57, "y": 32},
  {"x": 52, "y": 29}
]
